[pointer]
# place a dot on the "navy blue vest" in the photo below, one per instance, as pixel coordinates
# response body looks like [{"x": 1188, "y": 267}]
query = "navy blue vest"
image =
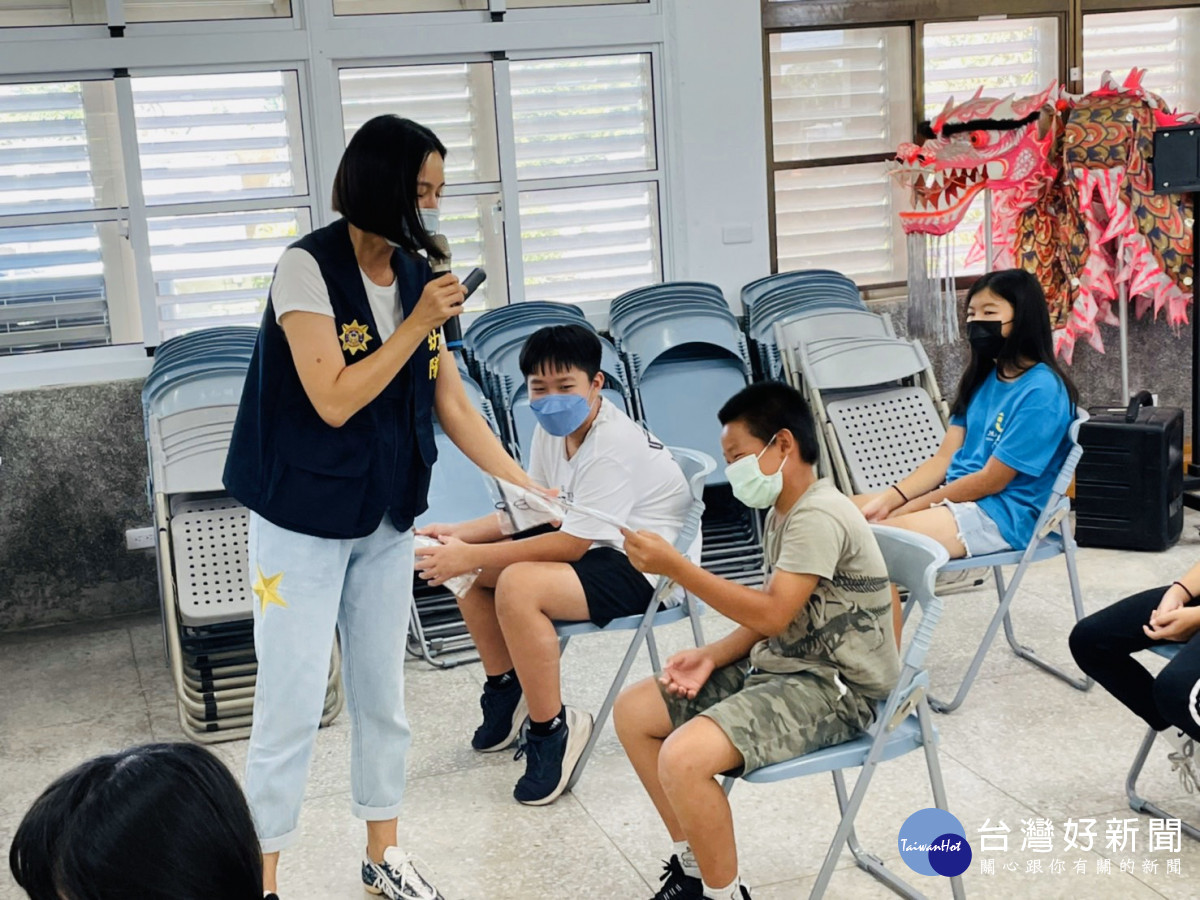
[{"x": 298, "y": 472}]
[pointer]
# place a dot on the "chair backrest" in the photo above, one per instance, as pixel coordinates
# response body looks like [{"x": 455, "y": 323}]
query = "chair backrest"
[
  {"x": 913, "y": 560},
  {"x": 696, "y": 467},
  {"x": 849, "y": 363},
  {"x": 1058, "y": 501},
  {"x": 885, "y": 435}
]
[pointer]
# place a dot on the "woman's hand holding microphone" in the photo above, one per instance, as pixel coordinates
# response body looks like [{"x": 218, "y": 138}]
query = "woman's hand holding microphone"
[{"x": 441, "y": 299}]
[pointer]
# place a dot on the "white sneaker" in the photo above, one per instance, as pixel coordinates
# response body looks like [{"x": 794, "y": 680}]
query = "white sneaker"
[
  {"x": 397, "y": 877},
  {"x": 1183, "y": 760}
]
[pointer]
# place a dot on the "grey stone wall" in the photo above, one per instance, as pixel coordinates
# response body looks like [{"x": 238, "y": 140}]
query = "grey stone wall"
[{"x": 72, "y": 480}]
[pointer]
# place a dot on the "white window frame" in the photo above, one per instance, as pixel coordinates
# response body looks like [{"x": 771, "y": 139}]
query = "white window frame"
[{"x": 315, "y": 44}]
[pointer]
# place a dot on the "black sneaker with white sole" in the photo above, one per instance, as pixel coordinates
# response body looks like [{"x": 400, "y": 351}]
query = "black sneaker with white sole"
[
  {"x": 550, "y": 761},
  {"x": 397, "y": 878},
  {"x": 504, "y": 710},
  {"x": 677, "y": 884}
]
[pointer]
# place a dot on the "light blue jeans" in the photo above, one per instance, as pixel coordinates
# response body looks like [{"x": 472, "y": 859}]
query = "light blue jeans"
[{"x": 305, "y": 586}]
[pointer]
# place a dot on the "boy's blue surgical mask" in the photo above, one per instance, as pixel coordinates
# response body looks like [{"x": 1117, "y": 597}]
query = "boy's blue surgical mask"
[
  {"x": 750, "y": 484},
  {"x": 561, "y": 414}
]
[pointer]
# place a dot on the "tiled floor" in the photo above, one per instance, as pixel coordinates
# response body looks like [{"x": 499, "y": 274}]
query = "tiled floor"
[{"x": 1023, "y": 745}]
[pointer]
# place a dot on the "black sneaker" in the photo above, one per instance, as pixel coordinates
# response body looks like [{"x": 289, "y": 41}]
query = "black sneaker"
[
  {"x": 504, "y": 710},
  {"x": 397, "y": 878},
  {"x": 677, "y": 884},
  {"x": 550, "y": 760}
]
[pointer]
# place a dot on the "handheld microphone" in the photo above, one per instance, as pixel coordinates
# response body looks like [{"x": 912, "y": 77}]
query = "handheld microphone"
[{"x": 440, "y": 265}]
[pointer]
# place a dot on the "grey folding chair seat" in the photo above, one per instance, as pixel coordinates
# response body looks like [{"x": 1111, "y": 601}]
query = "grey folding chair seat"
[
  {"x": 696, "y": 467},
  {"x": 902, "y": 722},
  {"x": 1136, "y": 802},
  {"x": 1045, "y": 544}
]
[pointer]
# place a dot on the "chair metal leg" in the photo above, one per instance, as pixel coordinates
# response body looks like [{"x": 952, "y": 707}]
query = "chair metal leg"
[
  {"x": 643, "y": 633},
  {"x": 1006, "y": 593},
  {"x": 984, "y": 645},
  {"x": 694, "y": 618},
  {"x": 845, "y": 835},
  {"x": 1140, "y": 804},
  {"x": 1027, "y": 653},
  {"x": 934, "y": 765},
  {"x": 652, "y": 649}
]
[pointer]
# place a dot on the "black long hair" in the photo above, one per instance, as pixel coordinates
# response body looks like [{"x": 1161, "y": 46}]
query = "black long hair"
[
  {"x": 1028, "y": 343},
  {"x": 375, "y": 188},
  {"x": 156, "y": 822}
]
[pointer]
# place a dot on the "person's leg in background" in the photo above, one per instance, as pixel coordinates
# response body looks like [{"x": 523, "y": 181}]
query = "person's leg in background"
[
  {"x": 297, "y": 585},
  {"x": 373, "y": 625},
  {"x": 1103, "y": 645}
]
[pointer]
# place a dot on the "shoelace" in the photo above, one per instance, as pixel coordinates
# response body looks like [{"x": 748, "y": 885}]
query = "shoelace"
[
  {"x": 537, "y": 764},
  {"x": 1182, "y": 763},
  {"x": 409, "y": 877}
]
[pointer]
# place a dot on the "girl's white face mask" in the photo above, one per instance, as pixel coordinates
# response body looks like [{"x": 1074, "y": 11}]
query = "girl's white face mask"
[{"x": 751, "y": 485}]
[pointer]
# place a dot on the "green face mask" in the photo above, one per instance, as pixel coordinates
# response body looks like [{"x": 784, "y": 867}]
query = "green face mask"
[{"x": 750, "y": 484}]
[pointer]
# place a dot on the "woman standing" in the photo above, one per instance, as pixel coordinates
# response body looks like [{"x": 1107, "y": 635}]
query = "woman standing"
[{"x": 331, "y": 452}]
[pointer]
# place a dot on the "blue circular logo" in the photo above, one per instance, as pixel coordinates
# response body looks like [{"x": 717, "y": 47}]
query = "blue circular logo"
[{"x": 933, "y": 842}]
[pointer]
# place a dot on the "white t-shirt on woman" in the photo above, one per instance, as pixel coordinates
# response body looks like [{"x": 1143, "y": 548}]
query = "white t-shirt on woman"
[{"x": 299, "y": 287}]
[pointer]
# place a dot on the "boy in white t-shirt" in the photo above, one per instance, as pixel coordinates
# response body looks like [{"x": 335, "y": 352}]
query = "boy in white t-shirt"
[{"x": 596, "y": 456}]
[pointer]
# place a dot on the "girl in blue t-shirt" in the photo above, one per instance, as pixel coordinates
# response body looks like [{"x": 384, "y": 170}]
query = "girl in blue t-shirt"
[{"x": 985, "y": 487}]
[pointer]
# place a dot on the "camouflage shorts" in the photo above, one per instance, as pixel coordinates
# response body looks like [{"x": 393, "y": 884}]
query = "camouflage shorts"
[{"x": 772, "y": 717}]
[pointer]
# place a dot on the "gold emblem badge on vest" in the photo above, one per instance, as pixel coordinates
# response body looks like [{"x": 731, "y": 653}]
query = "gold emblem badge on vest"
[{"x": 355, "y": 337}]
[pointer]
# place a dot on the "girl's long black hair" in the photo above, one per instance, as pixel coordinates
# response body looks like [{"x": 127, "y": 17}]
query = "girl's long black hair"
[
  {"x": 157, "y": 822},
  {"x": 1029, "y": 342}
]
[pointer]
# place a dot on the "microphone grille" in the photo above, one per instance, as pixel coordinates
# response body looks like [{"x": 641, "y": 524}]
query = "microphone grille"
[{"x": 440, "y": 262}]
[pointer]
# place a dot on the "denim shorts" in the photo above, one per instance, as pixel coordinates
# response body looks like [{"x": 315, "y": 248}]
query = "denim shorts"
[{"x": 976, "y": 529}]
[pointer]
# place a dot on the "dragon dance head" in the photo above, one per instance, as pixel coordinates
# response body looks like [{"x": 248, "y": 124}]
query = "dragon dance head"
[{"x": 1003, "y": 144}]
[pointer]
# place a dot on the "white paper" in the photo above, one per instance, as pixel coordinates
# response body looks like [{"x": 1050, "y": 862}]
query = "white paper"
[{"x": 558, "y": 507}]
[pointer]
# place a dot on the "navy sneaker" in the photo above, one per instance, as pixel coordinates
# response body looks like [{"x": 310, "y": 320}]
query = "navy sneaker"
[
  {"x": 551, "y": 760},
  {"x": 397, "y": 878},
  {"x": 504, "y": 710},
  {"x": 677, "y": 884}
]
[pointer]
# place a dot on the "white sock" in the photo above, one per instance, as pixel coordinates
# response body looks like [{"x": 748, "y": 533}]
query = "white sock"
[
  {"x": 731, "y": 891},
  {"x": 1176, "y": 738},
  {"x": 687, "y": 859}
]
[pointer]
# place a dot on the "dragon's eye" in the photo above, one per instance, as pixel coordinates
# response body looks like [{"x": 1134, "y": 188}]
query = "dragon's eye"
[{"x": 979, "y": 139}]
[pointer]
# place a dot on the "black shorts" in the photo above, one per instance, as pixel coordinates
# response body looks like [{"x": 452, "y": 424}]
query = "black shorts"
[{"x": 612, "y": 586}]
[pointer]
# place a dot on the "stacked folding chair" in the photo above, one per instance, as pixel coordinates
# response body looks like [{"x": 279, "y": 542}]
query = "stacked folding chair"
[
  {"x": 189, "y": 402},
  {"x": 776, "y": 298},
  {"x": 493, "y": 344},
  {"x": 458, "y": 490},
  {"x": 875, "y": 398},
  {"x": 680, "y": 341}
]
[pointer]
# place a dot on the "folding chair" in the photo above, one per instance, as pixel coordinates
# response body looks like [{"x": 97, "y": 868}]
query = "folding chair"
[
  {"x": 902, "y": 721},
  {"x": 875, "y": 403},
  {"x": 696, "y": 467},
  {"x": 1045, "y": 544},
  {"x": 1136, "y": 802}
]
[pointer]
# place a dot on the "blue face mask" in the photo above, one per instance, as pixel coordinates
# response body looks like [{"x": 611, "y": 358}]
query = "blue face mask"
[{"x": 561, "y": 414}]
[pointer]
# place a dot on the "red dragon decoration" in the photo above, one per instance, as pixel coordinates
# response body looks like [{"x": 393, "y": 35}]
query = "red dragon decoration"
[{"x": 1072, "y": 202}]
